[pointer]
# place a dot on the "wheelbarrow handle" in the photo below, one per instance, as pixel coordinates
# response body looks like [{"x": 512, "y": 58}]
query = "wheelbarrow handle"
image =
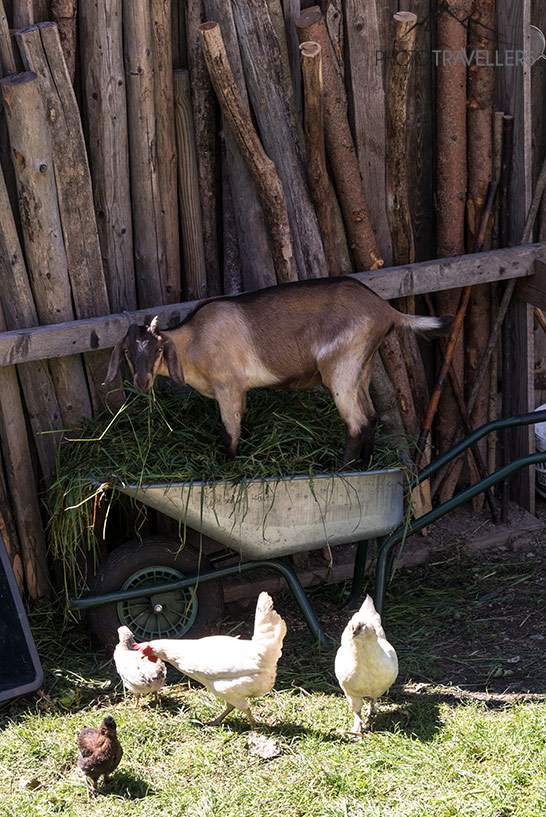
[
  {"x": 404, "y": 531},
  {"x": 494, "y": 425}
]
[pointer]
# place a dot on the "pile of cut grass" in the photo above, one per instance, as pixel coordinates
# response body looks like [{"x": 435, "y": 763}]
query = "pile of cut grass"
[{"x": 174, "y": 437}]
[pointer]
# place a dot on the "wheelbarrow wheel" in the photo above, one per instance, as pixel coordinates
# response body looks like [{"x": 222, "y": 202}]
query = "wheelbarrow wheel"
[{"x": 145, "y": 563}]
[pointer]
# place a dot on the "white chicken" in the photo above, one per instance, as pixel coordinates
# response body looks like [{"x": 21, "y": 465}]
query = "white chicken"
[
  {"x": 366, "y": 664},
  {"x": 233, "y": 669},
  {"x": 141, "y": 677}
]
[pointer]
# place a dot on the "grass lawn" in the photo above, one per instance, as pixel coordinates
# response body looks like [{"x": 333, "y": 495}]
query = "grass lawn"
[{"x": 456, "y": 736}]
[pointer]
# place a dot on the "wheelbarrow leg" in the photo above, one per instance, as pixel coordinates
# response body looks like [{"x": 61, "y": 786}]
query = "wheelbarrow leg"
[
  {"x": 299, "y": 594},
  {"x": 358, "y": 574}
]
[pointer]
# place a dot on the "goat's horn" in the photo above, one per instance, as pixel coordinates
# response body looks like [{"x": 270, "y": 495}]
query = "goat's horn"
[
  {"x": 128, "y": 316},
  {"x": 153, "y": 324}
]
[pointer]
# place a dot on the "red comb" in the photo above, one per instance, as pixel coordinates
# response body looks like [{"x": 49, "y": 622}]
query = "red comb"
[{"x": 142, "y": 648}]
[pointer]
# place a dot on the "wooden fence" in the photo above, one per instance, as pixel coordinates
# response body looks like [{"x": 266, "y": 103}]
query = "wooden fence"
[{"x": 155, "y": 152}]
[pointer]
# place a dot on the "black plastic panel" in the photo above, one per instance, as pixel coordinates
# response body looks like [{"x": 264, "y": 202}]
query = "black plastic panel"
[{"x": 20, "y": 668}]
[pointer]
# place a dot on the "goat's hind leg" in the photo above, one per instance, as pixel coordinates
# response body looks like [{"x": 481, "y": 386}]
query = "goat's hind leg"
[
  {"x": 232, "y": 404},
  {"x": 352, "y": 399}
]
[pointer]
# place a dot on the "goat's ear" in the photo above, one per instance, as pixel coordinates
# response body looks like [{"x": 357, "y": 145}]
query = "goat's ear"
[
  {"x": 173, "y": 361},
  {"x": 115, "y": 361}
]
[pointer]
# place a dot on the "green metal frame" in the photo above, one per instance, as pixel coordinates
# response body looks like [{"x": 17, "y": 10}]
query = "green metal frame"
[
  {"x": 404, "y": 531},
  {"x": 241, "y": 567},
  {"x": 385, "y": 548}
]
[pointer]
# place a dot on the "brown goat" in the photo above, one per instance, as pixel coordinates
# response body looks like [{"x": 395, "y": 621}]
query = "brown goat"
[{"x": 295, "y": 336}]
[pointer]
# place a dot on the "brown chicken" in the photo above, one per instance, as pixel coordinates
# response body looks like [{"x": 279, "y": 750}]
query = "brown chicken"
[{"x": 99, "y": 750}]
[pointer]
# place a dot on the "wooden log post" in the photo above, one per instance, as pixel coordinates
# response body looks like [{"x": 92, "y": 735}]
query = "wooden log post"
[
  {"x": 292, "y": 10},
  {"x": 398, "y": 209},
  {"x": 148, "y": 225},
  {"x": 42, "y": 232},
  {"x": 41, "y": 50},
  {"x": 398, "y": 199},
  {"x": 7, "y": 51},
  {"x": 363, "y": 30},
  {"x": 340, "y": 148},
  {"x": 420, "y": 127},
  {"x": 264, "y": 77},
  {"x": 276, "y": 15},
  {"x": 513, "y": 92},
  {"x": 311, "y": 61},
  {"x": 257, "y": 266},
  {"x": 205, "y": 127},
  {"x": 194, "y": 280},
  {"x": 20, "y": 312},
  {"x": 22, "y": 482},
  {"x": 9, "y": 534},
  {"x": 232, "y": 276},
  {"x": 334, "y": 18},
  {"x": 451, "y": 179},
  {"x": 23, "y": 13},
  {"x": 481, "y": 99},
  {"x": 105, "y": 109},
  {"x": 63, "y": 13},
  {"x": 262, "y": 168},
  {"x": 166, "y": 143}
]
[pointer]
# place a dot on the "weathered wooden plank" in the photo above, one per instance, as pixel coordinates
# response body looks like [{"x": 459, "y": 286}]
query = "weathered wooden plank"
[
  {"x": 205, "y": 129},
  {"x": 166, "y": 143},
  {"x": 21, "y": 478},
  {"x": 194, "y": 280},
  {"x": 41, "y": 50},
  {"x": 19, "y": 311},
  {"x": 420, "y": 134},
  {"x": 64, "y": 12},
  {"x": 7, "y": 52},
  {"x": 42, "y": 231},
  {"x": 42, "y": 342},
  {"x": 148, "y": 225},
  {"x": 105, "y": 108},
  {"x": 364, "y": 33}
]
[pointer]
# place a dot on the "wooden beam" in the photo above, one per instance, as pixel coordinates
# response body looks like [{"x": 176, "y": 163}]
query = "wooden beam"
[
  {"x": 40, "y": 342},
  {"x": 451, "y": 273},
  {"x": 532, "y": 290}
]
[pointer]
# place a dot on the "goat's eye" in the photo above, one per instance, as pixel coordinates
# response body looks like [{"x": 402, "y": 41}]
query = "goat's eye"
[
  {"x": 126, "y": 352},
  {"x": 160, "y": 350}
]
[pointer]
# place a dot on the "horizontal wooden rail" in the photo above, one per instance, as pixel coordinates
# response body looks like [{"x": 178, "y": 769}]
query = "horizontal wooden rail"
[{"x": 58, "y": 340}]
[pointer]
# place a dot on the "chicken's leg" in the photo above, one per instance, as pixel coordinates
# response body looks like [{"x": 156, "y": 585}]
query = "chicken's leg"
[{"x": 217, "y": 721}]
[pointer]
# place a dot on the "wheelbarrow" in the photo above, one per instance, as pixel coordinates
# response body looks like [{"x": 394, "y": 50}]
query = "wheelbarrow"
[{"x": 160, "y": 589}]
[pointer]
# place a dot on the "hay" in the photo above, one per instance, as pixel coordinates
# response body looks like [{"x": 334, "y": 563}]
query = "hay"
[{"x": 174, "y": 437}]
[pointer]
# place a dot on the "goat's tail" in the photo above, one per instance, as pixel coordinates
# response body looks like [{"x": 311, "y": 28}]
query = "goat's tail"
[{"x": 430, "y": 327}]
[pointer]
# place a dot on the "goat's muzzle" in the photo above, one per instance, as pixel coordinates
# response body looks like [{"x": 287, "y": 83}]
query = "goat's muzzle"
[{"x": 143, "y": 383}]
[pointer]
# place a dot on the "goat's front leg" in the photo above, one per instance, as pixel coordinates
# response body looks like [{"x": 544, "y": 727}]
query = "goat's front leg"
[{"x": 232, "y": 404}]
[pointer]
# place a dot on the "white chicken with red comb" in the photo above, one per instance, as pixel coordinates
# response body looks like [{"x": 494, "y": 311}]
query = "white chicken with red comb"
[
  {"x": 233, "y": 669},
  {"x": 141, "y": 677}
]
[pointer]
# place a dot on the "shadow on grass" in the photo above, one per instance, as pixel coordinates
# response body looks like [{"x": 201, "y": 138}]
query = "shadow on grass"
[{"x": 127, "y": 785}]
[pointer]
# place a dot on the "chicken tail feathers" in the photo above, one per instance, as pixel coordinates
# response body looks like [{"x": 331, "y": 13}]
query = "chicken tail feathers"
[{"x": 269, "y": 627}]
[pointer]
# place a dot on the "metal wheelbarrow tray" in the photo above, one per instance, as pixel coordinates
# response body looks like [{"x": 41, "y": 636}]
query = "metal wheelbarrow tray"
[{"x": 265, "y": 519}]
